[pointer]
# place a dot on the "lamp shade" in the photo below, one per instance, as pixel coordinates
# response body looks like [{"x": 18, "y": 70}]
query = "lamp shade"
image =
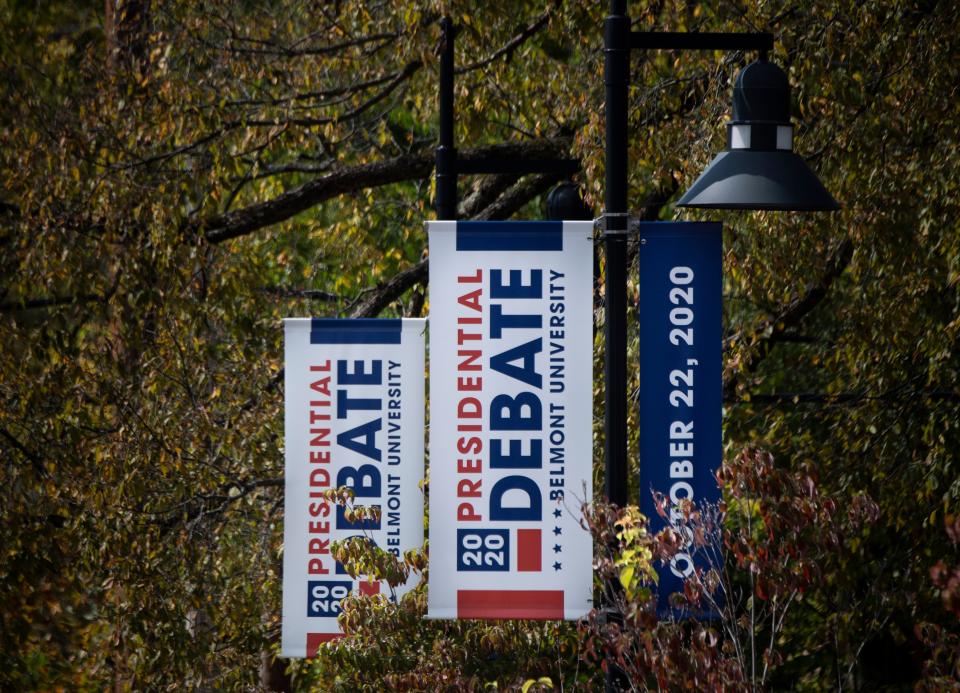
[{"x": 759, "y": 169}]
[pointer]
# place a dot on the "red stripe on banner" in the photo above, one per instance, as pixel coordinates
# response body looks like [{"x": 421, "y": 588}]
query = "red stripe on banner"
[
  {"x": 539, "y": 604},
  {"x": 370, "y": 588},
  {"x": 528, "y": 550},
  {"x": 315, "y": 640}
]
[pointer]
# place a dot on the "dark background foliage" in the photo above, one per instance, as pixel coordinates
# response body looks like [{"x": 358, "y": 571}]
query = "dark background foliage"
[{"x": 176, "y": 177}]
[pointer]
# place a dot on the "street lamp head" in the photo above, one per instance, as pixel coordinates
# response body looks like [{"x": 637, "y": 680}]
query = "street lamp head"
[{"x": 759, "y": 169}]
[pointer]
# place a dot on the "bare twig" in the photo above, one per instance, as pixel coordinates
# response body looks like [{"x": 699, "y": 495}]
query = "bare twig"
[
  {"x": 791, "y": 314},
  {"x": 311, "y": 294},
  {"x": 52, "y": 302},
  {"x": 507, "y": 50}
]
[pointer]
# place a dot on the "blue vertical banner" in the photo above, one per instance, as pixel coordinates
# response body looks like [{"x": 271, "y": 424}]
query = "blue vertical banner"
[{"x": 681, "y": 343}]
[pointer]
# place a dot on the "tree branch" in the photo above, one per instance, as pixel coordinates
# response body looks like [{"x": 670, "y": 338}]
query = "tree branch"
[
  {"x": 311, "y": 294},
  {"x": 506, "y": 204},
  {"x": 273, "y": 48},
  {"x": 508, "y": 48},
  {"x": 519, "y": 194},
  {"x": 489, "y": 189},
  {"x": 416, "y": 166},
  {"x": 792, "y": 314},
  {"x": 78, "y": 299},
  {"x": 314, "y": 95},
  {"x": 13, "y": 306},
  {"x": 378, "y": 299},
  {"x": 400, "y": 77},
  {"x": 392, "y": 82},
  {"x": 348, "y": 179},
  {"x": 34, "y": 460},
  {"x": 198, "y": 506},
  {"x": 821, "y": 398}
]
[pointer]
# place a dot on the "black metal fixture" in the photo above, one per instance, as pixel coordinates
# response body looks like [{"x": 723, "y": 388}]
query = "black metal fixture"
[
  {"x": 618, "y": 42},
  {"x": 759, "y": 169},
  {"x": 565, "y": 203},
  {"x": 450, "y": 165}
]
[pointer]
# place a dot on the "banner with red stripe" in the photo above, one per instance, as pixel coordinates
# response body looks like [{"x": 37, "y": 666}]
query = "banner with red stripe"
[
  {"x": 354, "y": 417},
  {"x": 511, "y": 338}
]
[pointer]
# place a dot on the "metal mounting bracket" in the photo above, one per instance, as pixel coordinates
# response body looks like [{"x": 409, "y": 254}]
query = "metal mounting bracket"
[{"x": 601, "y": 226}]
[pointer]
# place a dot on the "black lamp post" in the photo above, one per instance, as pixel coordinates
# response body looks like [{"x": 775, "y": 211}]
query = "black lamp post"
[
  {"x": 758, "y": 171},
  {"x": 450, "y": 165}
]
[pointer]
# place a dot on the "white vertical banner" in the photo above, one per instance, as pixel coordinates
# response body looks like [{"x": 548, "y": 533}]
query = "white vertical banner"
[
  {"x": 354, "y": 416},
  {"x": 511, "y": 383}
]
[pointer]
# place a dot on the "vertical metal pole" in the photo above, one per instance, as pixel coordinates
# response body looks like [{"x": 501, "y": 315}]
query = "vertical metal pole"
[
  {"x": 617, "y": 79},
  {"x": 616, "y": 71},
  {"x": 446, "y": 153}
]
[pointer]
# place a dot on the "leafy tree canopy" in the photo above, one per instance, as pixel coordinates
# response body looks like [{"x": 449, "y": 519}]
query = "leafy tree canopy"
[{"x": 176, "y": 177}]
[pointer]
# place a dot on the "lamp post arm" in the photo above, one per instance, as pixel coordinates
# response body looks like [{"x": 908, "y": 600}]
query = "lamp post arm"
[{"x": 700, "y": 41}]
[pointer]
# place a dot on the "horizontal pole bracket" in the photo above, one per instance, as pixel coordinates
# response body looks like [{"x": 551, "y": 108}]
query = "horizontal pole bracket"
[
  {"x": 518, "y": 166},
  {"x": 601, "y": 225},
  {"x": 700, "y": 41}
]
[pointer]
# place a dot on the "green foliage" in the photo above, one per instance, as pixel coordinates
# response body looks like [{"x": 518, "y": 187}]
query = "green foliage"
[
  {"x": 389, "y": 644},
  {"x": 778, "y": 536},
  {"x": 635, "y": 557},
  {"x": 393, "y": 647}
]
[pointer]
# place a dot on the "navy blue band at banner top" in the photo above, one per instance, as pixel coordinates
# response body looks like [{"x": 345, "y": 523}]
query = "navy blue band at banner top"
[
  {"x": 355, "y": 330},
  {"x": 681, "y": 343},
  {"x": 509, "y": 235}
]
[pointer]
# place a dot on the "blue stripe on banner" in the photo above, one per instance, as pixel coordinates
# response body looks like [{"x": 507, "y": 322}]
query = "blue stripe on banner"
[
  {"x": 355, "y": 330},
  {"x": 509, "y": 235}
]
